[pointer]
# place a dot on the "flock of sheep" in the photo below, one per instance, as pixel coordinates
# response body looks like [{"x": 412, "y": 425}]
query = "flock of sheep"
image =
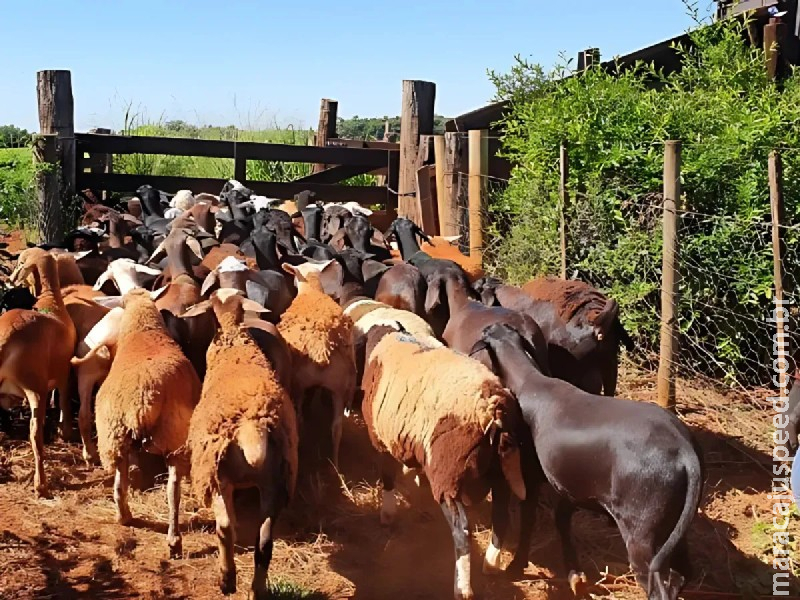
[{"x": 198, "y": 326}]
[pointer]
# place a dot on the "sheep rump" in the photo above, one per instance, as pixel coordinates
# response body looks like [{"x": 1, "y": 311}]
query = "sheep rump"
[
  {"x": 258, "y": 406},
  {"x": 429, "y": 407}
]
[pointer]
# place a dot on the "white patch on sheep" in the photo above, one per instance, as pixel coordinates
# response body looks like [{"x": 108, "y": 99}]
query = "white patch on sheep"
[
  {"x": 231, "y": 264},
  {"x": 183, "y": 199},
  {"x": 491, "y": 560},
  {"x": 463, "y": 586},
  {"x": 236, "y": 185},
  {"x": 173, "y": 213}
]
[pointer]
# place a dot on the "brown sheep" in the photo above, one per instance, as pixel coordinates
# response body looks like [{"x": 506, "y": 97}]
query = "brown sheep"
[
  {"x": 35, "y": 349},
  {"x": 243, "y": 434},
  {"x": 147, "y": 401},
  {"x": 319, "y": 335},
  {"x": 431, "y": 408}
]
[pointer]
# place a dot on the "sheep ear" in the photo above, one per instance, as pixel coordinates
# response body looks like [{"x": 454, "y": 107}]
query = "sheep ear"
[
  {"x": 145, "y": 270},
  {"x": 79, "y": 255},
  {"x": 156, "y": 294},
  {"x": 101, "y": 280},
  {"x": 103, "y": 352},
  {"x": 253, "y": 306},
  {"x": 433, "y": 297},
  {"x": 108, "y": 301},
  {"x": 372, "y": 268},
  {"x": 289, "y": 269},
  {"x": 195, "y": 247},
  {"x": 197, "y": 310},
  {"x": 158, "y": 253},
  {"x": 451, "y": 238},
  {"x": 209, "y": 282}
]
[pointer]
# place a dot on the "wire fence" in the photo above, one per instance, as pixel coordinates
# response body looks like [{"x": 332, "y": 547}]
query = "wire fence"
[{"x": 614, "y": 242}]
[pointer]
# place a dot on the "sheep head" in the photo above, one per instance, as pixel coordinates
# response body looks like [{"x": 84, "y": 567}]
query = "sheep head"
[
  {"x": 312, "y": 274},
  {"x": 230, "y": 307},
  {"x": 126, "y": 274}
]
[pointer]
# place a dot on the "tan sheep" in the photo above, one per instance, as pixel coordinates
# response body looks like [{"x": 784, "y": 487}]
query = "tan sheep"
[
  {"x": 147, "y": 401},
  {"x": 319, "y": 335},
  {"x": 243, "y": 434},
  {"x": 433, "y": 409},
  {"x": 35, "y": 348}
]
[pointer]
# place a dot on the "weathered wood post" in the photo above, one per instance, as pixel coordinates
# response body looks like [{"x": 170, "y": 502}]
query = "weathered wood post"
[
  {"x": 669, "y": 275},
  {"x": 438, "y": 159},
  {"x": 416, "y": 119},
  {"x": 478, "y": 188},
  {"x": 48, "y": 193},
  {"x": 327, "y": 126},
  {"x": 56, "y": 117},
  {"x": 455, "y": 187},
  {"x": 778, "y": 219},
  {"x": 563, "y": 194},
  {"x": 773, "y": 32}
]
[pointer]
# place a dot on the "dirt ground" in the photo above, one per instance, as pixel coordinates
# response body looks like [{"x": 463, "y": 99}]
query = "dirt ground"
[{"x": 330, "y": 541}]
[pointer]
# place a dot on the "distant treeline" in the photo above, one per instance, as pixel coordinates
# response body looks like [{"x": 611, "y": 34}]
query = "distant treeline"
[{"x": 12, "y": 136}]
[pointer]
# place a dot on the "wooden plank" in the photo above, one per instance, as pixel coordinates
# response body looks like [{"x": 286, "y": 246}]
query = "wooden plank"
[
  {"x": 563, "y": 193},
  {"x": 45, "y": 159},
  {"x": 455, "y": 186},
  {"x": 374, "y": 144},
  {"x": 772, "y": 48},
  {"x": 119, "y": 144},
  {"x": 441, "y": 206},
  {"x": 416, "y": 119},
  {"x": 426, "y": 189},
  {"x": 367, "y": 195},
  {"x": 478, "y": 189},
  {"x": 327, "y": 126},
  {"x": 56, "y": 116},
  {"x": 778, "y": 220},
  {"x": 333, "y": 174},
  {"x": 669, "y": 276}
]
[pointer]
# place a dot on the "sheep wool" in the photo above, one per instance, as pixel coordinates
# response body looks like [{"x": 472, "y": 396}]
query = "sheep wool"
[
  {"x": 314, "y": 326},
  {"x": 367, "y": 314},
  {"x": 241, "y": 397},
  {"x": 151, "y": 389},
  {"x": 429, "y": 407}
]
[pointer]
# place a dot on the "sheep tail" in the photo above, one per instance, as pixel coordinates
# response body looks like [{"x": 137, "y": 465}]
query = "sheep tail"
[{"x": 252, "y": 439}]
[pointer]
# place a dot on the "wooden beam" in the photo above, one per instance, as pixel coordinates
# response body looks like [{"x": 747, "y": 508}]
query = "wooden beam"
[
  {"x": 773, "y": 35},
  {"x": 669, "y": 276},
  {"x": 327, "y": 126},
  {"x": 426, "y": 189},
  {"x": 334, "y": 174},
  {"x": 120, "y": 144},
  {"x": 455, "y": 187},
  {"x": 564, "y": 205},
  {"x": 56, "y": 116},
  {"x": 478, "y": 189},
  {"x": 441, "y": 206},
  {"x": 416, "y": 119},
  {"x": 375, "y": 144},
  {"x": 45, "y": 160},
  {"x": 367, "y": 195},
  {"x": 778, "y": 221}
]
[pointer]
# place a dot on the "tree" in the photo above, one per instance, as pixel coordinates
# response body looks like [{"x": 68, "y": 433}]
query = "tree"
[{"x": 12, "y": 136}]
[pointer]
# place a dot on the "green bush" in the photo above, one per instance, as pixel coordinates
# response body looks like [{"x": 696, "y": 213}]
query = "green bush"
[{"x": 728, "y": 116}]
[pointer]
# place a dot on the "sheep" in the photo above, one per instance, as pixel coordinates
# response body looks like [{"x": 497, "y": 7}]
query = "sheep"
[
  {"x": 183, "y": 200},
  {"x": 126, "y": 275},
  {"x": 146, "y": 401},
  {"x": 431, "y": 408},
  {"x": 319, "y": 335},
  {"x": 35, "y": 349},
  {"x": 403, "y": 286},
  {"x": 647, "y": 475},
  {"x": 243, "y": 434}
]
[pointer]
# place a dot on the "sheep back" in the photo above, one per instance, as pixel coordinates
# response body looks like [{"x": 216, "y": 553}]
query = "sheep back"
[
  {"x": 314, "y": 326},
  {"x": 150, "y": 393},
  {"x": 366, "y": 314},
  {"x": 239, "y": 387},
  {"x": 429, "y": 407}
]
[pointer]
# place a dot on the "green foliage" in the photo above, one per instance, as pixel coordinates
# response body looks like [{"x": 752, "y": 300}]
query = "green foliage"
[
  {"x": 16, "y": 186},
  {"x": 12, "y": 136},
  {"x": 372, "y": 128},
  {"x": 728, "y": 116}
]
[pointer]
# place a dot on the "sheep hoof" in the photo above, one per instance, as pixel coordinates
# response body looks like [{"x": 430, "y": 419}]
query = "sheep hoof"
[
  {"x": 124, "y": 517},
  {"x": 491, "y": 561},
  {"x": 578, "y": 583},
  {"x": 91, "y": 457},
  {"x": 42, "y": 491},
  {"x": 175, "y": 548},
  {"x": 227, "y": 583},
  {"x": 516, "y": 568},
  {"x": 261, "y": 594}
]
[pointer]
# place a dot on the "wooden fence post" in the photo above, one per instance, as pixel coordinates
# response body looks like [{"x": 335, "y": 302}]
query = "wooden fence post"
[
  {"x": 564, "y": 202},
  {"x": 478, "y": 188},
  {"x": 455, "y": 189},
  {"x": 778, "y": 219},
  {"x": 438, "y": 160},
  {"x": 56, "y": 117},
  {"x": 772, "y": 37},
  {"x": 327, "y": 126},
  {"x": 48, "y": 194},
  {"x": 416, "y": 119},
  {"x": 669, "y": 275}
]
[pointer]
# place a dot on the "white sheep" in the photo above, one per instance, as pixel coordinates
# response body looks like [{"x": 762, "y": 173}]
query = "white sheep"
[
  {"x": 126, "y": 274},
  {"x": 182, "y": 200}
]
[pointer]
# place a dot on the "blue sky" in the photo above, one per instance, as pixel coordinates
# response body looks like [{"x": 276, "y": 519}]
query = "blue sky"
[{"x": 250, "y": 63}]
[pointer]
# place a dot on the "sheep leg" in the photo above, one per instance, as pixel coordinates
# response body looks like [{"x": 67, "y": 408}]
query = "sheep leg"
[
  {"x": 226, "y": 532},
  {"x": 459, "y": 526},
  {"x": 174, "y": 540},
  {"x": 389, "y": 469},
  {"x": 339, "y": 403},
  {"x": 263, "y": 550},
  {"x": 124, "y": 516},
  {"x": 86, "y": 387},
  {"x": 37, "y": 442},
  {"x": 501, "y": 496},
  {"x": 527, "y": 519},
  {"x": 563, "y": 517},
  {"x": 65, "y": 408}
]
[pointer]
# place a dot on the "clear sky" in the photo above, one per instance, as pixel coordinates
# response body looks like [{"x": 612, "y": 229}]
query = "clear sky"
[{"x": 250, "y": 63}]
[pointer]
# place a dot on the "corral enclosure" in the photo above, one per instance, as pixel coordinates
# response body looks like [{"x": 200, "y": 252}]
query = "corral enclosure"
[{"x": 331, "y": 548}]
